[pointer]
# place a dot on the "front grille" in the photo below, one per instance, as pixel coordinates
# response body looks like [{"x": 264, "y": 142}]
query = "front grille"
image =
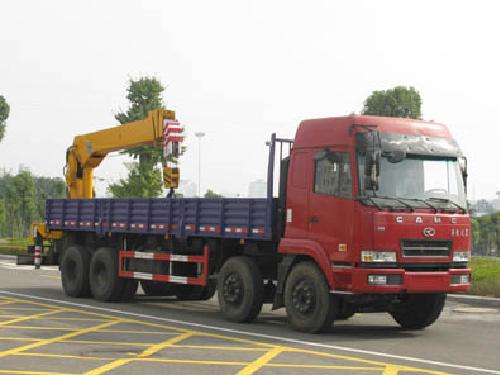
[
  {"x": 425, "y": 267},
  {"x": 425, "y": 248}
]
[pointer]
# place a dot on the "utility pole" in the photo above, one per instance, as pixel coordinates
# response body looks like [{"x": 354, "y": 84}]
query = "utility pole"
[{"x": 199, "y": 135}]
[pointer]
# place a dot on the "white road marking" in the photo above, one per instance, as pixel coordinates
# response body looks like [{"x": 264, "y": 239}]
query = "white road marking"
[
  {"x": 258, "y": 335},
  {"x": 12, "y": 266}
]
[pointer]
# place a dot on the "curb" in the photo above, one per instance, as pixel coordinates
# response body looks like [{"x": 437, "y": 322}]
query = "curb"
[
  {"x": 475, "y": 300},
  {"x": 7, "y": 257}
]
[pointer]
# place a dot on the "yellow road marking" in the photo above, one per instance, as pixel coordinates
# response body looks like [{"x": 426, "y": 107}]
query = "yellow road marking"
[
  {"x": 192, "y": 361},
  {"x": 26, "y": 308},
  {"x": 272, "y": 351},
  {"x": 325, "y": 367},
  {"x": 165, "y": 344},
  {"x": 57, "y": 339},
  {"x": 29, "y": 317},
  {"x": 146, "y": 353},
  {"x": 52, "y": 355},
  {"x": 230, "y": 348},
  {"x": 18, "y": 339},
  {"x": 262, "y": 361},
  {"x": 24, "y": 372},
  {"x": 111, "y": 343},
  {"x": 141, "y": 332},
  {"x": 39, "y": 328}
]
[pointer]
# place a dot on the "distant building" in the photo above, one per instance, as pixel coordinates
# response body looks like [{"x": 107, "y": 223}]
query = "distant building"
[
  {"x": 257, "y": 189},
  {"x": 188, "y": 188},
  {"x": 496, "y": 202}
]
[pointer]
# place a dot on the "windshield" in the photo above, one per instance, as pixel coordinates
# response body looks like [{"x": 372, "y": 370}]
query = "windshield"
[{"x": 428, "y": 181}]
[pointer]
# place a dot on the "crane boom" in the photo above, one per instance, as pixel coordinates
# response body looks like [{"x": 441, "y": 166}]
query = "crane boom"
[{"x": 88, "y": 150}]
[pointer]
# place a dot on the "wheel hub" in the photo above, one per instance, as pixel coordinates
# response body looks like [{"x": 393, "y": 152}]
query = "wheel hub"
[
  {"x": 303, "y": 298},
  {"x": 233, "y": 288}
]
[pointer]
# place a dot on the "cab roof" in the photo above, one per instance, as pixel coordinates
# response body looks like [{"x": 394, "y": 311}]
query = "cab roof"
[{"x": 339, "y": 130}]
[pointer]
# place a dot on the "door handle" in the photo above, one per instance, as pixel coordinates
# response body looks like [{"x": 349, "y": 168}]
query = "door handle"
[{"x": 313, "y": 219}]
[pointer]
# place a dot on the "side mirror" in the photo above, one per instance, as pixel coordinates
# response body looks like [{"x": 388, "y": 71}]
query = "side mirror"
[
  {"x": 462, "y": 162},
  {"x": 372, "y": 168}
]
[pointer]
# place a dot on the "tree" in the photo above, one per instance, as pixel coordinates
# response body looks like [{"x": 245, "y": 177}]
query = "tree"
[
  {"x": 140, "y": 183},
  {"x": 211, "y": 194},
  {"x": 20, "y": 208},
  {"x": 144, "y": 179},
  {"x": 397, "y": 102},
  {"x": 22, "y": 200},
  {"x": 4, "y": 115}
]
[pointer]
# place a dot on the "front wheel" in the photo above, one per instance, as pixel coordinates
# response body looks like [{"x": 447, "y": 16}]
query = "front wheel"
[
  {"x": 309, "y": 305},
  {"x": 418, "y": 311},
  {"x": 240, "y": 289}
]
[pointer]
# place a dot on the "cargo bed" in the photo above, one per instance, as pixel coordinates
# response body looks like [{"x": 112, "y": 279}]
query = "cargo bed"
[{"x": 248, "y": 218}]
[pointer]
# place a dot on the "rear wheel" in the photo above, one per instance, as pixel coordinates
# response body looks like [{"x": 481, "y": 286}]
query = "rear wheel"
[
  {"x": 309, "y": 305},
  {"x": 418, "y": 311},
  {"x": 157, "y": 288},
  {"x": 75, "y": 271},
  {"x": 104, "y": 281},
  {"x": 240, "y": 289}
]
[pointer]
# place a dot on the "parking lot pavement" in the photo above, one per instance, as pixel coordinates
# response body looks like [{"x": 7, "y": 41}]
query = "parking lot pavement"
[{"x": 41, "y": 338}]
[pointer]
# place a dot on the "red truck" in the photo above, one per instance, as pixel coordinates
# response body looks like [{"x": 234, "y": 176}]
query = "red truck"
[{"x": 370, "y": 216}]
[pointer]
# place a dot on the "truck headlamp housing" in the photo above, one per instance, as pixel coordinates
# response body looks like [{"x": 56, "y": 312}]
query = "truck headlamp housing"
[
  {"x": 370, "y": 256},
  {"x": 461, "y": 256}
]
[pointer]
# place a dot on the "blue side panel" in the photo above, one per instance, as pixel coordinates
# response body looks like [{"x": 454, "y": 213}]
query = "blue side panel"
[{"x": 191, "y": 217}]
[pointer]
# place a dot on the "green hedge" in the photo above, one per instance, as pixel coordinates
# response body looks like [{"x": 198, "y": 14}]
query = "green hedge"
[{"x": 485, "y": 276}]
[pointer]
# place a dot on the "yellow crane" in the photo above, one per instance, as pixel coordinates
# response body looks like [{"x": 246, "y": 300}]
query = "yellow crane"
[{"x": 88, "y": 150}]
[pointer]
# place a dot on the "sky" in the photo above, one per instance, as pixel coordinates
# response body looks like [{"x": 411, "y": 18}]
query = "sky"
[{"x": 241, "y": 70}]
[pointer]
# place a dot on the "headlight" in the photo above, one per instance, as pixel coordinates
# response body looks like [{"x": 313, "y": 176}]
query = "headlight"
[
  {"x": 460, "y": 279},
  {"x": 378, "y": 256},
  {"x": 461, "y": 256}
]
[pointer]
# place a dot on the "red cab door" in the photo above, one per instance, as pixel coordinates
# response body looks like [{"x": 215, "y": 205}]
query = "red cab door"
[{"x": 331, "y": 204}]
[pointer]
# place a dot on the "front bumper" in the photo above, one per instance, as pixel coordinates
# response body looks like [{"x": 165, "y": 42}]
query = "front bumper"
[{"x": 356, "y": 280}]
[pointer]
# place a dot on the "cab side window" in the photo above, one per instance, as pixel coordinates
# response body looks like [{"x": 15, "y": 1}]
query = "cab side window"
[{"x": 333, "y": 175}]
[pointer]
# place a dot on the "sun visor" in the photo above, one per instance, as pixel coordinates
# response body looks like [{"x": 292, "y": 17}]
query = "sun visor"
[{"x": 410, "y": 144}]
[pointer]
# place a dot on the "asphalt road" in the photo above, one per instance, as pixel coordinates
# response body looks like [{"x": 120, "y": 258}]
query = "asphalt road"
[{"x": 43, "y": 332}]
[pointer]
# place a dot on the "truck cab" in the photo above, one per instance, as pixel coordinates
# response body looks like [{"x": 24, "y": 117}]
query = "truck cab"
[{"x": 380, "y": 205}]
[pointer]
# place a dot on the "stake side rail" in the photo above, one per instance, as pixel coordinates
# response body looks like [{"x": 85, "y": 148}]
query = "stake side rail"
[{"x": 244, "y": 218}]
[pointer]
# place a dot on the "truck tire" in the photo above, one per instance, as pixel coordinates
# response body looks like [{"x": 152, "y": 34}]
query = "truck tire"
[
  {"x": 105, "y": 284},
  {"x": 196, "y": 292},
  {"x": 75, "y": 271},
  {"x": 309, "y": 305},
  {"x": 240, "y": 289},
  {"x": 157, "y": 288},
  {"x": 418, "y": 311}
]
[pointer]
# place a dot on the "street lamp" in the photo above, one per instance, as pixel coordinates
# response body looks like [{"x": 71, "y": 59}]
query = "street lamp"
[{"x": 199, "y": 135}]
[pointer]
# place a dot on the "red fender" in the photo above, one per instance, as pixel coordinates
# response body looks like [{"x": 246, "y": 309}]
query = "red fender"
[{"x": 295, "y": 246}]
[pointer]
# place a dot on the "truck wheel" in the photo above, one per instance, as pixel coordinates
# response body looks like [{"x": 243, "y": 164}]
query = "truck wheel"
[
  {"x": 75, "y": 271},
  {"x": 157, "y": 288},
  {"x": 196, "y": 292},
  {"x": 104, "y": 281},
  {"x": 309, "y": 305},
  {"x": 418, "y": 311},
  {"x": 240, "y": 289}
]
